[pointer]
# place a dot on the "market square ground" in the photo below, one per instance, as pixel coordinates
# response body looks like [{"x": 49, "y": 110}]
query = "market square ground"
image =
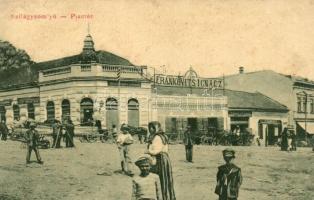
[{"x": 74, "y": 173}]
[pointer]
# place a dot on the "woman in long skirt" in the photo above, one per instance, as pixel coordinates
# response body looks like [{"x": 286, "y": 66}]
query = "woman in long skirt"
[{"x": 158, "y": 149}]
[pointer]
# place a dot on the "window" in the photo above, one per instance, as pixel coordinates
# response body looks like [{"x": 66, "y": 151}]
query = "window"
[
  {"x": 304, "y": 101},
  {"x": 16, "y": 112},
  {"x": 112, "y": 114},
  {"x": 31, "y": 111},
  {"x": 299, "y": 104},
  {"x": 65, "y": 109},
  {"x": 87, "y": 111},
  {"x": 133, "y": 112},
  {"x": 50, "y": 111},
  {"x": 111, "y": 104},
  {"x": 312, "y": 105},
  {"x": 2, "y": 114}
]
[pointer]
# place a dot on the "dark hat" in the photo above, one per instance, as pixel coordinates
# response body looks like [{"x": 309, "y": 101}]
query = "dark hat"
[
  {"x": 154, "y": 125},
  {"x": 145, "y": 159},
  {"x": 228, "y": 153},
  {"x": 124, "y": 127}
]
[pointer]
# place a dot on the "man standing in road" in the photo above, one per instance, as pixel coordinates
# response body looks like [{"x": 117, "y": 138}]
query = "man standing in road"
[
  {"x": 32, "y": 137},
  {"x": 3, "y": 130},
  {"x": 188, "y": 142}
]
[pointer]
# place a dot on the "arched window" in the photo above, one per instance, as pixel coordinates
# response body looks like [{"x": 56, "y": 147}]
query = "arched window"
[
  {"x": 31, "y": 111},
  {"x": 50, "y": 111},
  {"x": 111, "y": 104},
  {"x": 66, "y": 109},
  {"x": 133, "y": 112},
  {"x": 2, "y": 114},
  {"x": 112, "y": 114},
  {"x": 16, "y": 112},
  {"x": 87, "y": 110}
]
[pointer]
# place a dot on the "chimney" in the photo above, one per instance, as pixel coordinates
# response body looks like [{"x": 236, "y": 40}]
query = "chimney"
[{"x": 241, "y": 70}]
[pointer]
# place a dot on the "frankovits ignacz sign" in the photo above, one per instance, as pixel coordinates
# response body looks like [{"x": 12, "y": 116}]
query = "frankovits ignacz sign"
[{"x": 180, "y": 81}]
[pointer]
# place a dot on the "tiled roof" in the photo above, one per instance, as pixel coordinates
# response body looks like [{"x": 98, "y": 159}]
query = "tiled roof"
[
  {"x": 236, "y": 99},
  {"x": 102, "y": 57},
  {"x": 247, "y": 100},
  {"x": 14, "y": 78}
]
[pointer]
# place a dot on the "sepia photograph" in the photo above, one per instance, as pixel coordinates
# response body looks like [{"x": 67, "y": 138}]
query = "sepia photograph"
[{"x": 157, "y": 100}]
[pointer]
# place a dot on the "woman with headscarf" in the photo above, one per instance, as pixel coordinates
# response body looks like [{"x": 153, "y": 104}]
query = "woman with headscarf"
[{"x": 158, "y": 149}]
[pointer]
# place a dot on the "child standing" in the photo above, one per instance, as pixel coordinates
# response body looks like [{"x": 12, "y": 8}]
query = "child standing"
[
  {"x": 229, "y": 178},
  {"x": 146, "y": 186},
  {"x": 124, "y": 141}
]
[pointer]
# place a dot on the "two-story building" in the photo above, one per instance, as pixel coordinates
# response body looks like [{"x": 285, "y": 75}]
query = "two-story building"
[{"x": 296, "y": 93}]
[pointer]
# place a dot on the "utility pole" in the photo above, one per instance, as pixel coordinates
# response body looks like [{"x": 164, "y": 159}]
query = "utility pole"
[
  {"x": 305, "y": 116},
  {"x": 119, "y": 102}
]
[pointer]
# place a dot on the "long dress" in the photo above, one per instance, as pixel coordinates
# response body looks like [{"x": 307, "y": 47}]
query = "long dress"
[{"x": 159, "y": 149}]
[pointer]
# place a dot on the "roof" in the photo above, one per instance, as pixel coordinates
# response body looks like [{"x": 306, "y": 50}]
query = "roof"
[
  {"x": 293, "y": 78},
  {"x": 236, "y": 99},
  {"x": 248, "y": 100},
  {"x": 23, "y": 76},
  {"x": 102, "y": 57}
]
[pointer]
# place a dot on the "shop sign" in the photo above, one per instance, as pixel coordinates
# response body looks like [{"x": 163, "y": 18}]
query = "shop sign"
[
  {"x": 270, "y": 121},
  {"x": 180, "y": 81},
  {"x": 6, "y": 102},
  {"x": 240, "y": 114},
  {"x": 27, "y": 100},
  {"x": 190, "y": 79}
]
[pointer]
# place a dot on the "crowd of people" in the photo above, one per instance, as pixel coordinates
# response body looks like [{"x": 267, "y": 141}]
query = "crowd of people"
[{"x": 155, "y": 181}]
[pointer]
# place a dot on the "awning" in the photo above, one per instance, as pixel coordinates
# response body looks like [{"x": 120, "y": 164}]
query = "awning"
[{"x": 309, "y": 126}]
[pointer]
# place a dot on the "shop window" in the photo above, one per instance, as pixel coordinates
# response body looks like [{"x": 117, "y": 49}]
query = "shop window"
[
  {"x": 50, "y": 111},
  {"x": 65, "y": 105},
  {"x": 87, "y": 110},
  {"x": 16, "y": 112},
  {"x": 133, "y": 112},
  {"x": 2, "y": 114},
  {"x": 31, "y": 111}
]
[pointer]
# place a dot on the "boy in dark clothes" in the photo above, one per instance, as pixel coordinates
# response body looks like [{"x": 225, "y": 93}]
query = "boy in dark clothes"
[{"x": 229, "y": 178}]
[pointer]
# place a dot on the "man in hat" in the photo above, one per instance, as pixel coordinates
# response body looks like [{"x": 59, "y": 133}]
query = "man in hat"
[
  {"x": 3, "y": 130},
  {"x": 69, "y": 133},
  {"x": 229, "y": 178},
  {"x": 188, "y": 142},
  {"x": 124, "y": 141},
  {"x": 146, "y": 185},
  {"x": 32, "y": 137}
]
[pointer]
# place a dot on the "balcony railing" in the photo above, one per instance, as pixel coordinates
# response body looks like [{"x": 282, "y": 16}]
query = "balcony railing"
[
  {"x": 124, "y": 69},
  {"x": 57, "y": 71}
]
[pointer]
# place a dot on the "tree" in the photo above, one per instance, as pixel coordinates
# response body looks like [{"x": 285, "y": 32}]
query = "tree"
[
  {"x": 16, "y": 67},
  {"x": 11, "y": 57}
]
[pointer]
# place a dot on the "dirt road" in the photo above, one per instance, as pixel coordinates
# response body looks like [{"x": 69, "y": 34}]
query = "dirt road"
[{"x": 90, "y": 171}]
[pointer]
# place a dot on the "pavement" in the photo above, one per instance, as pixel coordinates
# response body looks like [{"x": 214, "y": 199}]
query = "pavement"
[{"x": 92, "y": 171}]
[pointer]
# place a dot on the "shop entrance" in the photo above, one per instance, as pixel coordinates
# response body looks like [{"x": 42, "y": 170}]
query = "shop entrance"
[
  {"x": 269, "y": 131},
  {"x": 87, "y": 111},
  {"x": 193, "y": 123}
]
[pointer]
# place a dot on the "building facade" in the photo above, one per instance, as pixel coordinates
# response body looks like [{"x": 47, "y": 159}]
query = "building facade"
[
  {"x": 296, "y": 93},
  {"x": 98, "y": 85}
]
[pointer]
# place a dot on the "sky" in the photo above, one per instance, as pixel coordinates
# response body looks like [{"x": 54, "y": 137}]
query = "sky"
[{"x": 214, "y": 37}]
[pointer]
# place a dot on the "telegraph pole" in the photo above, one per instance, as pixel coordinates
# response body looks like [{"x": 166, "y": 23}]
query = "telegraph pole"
[{"x": 119, "y": 102}]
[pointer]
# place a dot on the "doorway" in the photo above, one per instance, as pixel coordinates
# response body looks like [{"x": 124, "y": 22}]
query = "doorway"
[{"x": 193, "y": 123}]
